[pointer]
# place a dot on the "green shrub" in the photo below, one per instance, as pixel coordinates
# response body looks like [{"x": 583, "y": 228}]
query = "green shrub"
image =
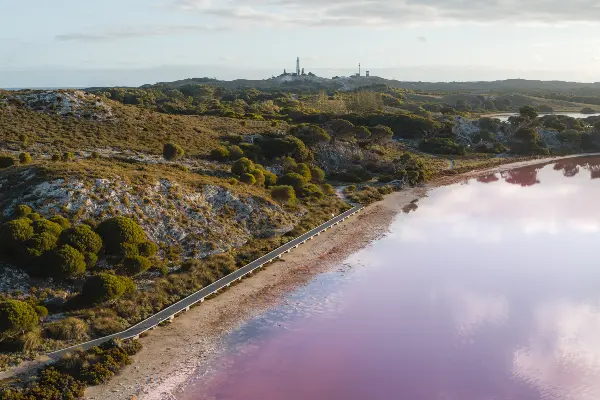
[
  {"x": 82, "y": 238},
  {"x": 67, "y": 156},
  {"x": 137, "y": 264},
  {"x": 233, "y": 181},
  {"x": 283, "y": 194},
  {"x": 60, "y": 220},
  {"x": 96, "y": 374},
  {"x": 14, "y": 233},
  {"x": 147, "y": 249},
  {"x": 120, "y": 230},
  {"x": 219, "y": 154},
  {"x": 293, "y": 179},
  {"x": 16, "y": 317},
  {"x": 235, "y": 153},
  {"x": 41, "y": 311},
  {"x": 70, "y": 328},
  {"x": 248, "y": 179},
  {"x": 131, "y": 347},
  {"x": 54, "y": 385},
  {"x": 270, "y": 178},
  {"x": 95, "y": 155},
  {"x": 328, "y": 189},
  {"x": 46, "y": 226},
  {"x": 6, "y": 162},
  {"x": 311, "y": 191},
  {"x": 56, "y": 157},
  {"x": 317, "y": 174},
  {"x": 23, "y": 139},
  {"x": 40, "y": 243},
  {"x": 65, "y": 262},
  {"x": 25, "y": 158},
  {"x": 91, "y": 260},
  {"x": 350, "y": 189},
  {"x": 259, "y": 177},
  {"x": 34, "y": 216},
  {"x": 441, "y": 146},
  {"x": 22, "y": 210},
  {"x": 303, "y": 170},
  {"x": 242, "y": 166},
  {"x": 172, "y": 151},
  {"x": 104, "y": 287}
]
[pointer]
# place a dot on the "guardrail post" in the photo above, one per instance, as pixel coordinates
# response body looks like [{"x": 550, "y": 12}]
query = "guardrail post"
[
  {"x": 187, "y": 309},
  {"x": 171, "y": 318}
]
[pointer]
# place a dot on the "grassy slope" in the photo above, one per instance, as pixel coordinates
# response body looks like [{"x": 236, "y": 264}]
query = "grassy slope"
[{"x": 133, "y": 129}]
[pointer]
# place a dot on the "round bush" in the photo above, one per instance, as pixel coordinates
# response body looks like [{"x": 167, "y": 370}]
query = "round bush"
[
  {"x": 6, "y": 161},
  {"x": 137, "y": 265},
  {"x": 56, "y": 157},
  {"x": 82, "y": 238},
  {"x": 233, "y": 181},
  {"x": 119, "y": 230},
  {"x": 235, "y": 152},
  {"x": 293, "y": 179},
  {"x": 91, "y": 260},
  {"x": 47, "y": 226},
  {"x": 60, "y": 220},
  {"x": 283, "y": 194},
  {"x": 328, "y": 189},
  {"x": 66, "y": 262},
  {"x": 16, "y": 316},
  {"x": 22, "y": 210},
  {"x": 147, "y": 249},
  {"x": 25, "y": 158},
  {"x": 219, "y": 154},
  {"x": 311, "y": 191},
  {"x": 242, "y": 166},
  {"x": 16, "y": 232},
  {"x": 304, "y": 170},
  {"x": 248, "y": 178},
  {"x": 67, "y": 156},
  {"x": 172, "y": 151},
  {"x": 40, "y": 244},
  {"x": 270, "y": 178},
  {"x": 41, "y": 311},
  {"x": 317, "y": 174},
  {"x": 104, "y": 287},
  {"x": 259, "y": 177}
]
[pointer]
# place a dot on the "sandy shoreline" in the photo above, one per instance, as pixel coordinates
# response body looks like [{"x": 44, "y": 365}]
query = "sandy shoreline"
[{"x": 172, "y": 354}]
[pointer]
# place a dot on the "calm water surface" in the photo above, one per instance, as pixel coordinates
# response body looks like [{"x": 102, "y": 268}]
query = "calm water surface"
[
  {"x": 489, "y": 290},
  {"x": 504, "y": 117}
]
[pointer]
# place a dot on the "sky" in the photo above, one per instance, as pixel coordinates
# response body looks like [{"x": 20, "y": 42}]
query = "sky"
[{"x": 68, "y": 43}]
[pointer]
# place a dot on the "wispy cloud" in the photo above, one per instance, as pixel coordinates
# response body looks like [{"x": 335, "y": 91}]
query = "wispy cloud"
[
  {"x": 386, "y": 12},
  {"x": 121, "y": 33}
]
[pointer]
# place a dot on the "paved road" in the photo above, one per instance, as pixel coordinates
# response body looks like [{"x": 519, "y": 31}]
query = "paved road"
[{"x": 199, "y": 296}]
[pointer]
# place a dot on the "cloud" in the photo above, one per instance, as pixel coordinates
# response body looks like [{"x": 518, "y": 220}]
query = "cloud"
[
  {"x": 117, "y": 34},
  {"x": 389, "y": 13},
  {"x": 422, "y": 39}
]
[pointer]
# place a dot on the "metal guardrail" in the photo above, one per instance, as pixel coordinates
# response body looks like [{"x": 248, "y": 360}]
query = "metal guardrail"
[{"x": 184, "y": 304}]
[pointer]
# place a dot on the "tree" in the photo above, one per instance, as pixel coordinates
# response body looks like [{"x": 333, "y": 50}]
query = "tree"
[
  {"x": 172, "y": 151},
  {"x": 283, "y": 194},
  {"x": 137, "y": 264},
  {"x": 16, "y": 317},
  {"x": 528, "y": 112},
  {"x": 242, "y": 166},
  {"x": 105, "y": 287},
  {"x": 381, "y": 133},
  {"x": 259, "y": 177},
  {"x": 270, "y": 178},
  {"x": 340, "y": 129}
]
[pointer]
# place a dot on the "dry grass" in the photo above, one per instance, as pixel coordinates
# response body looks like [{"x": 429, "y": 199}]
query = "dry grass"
[{"x": 134, "y": 129}]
